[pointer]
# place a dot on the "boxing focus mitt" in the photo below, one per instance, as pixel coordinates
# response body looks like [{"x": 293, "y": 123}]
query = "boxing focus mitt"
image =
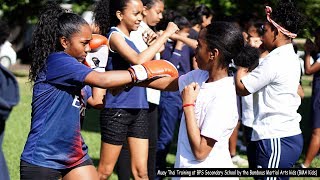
[
  {"x": 153, "y": 69},
  {"x": 97, "y": 58},
  {"x": 97, "y": 41}
]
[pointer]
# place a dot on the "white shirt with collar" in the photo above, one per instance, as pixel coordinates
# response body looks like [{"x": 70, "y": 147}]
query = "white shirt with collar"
[{"x": 274, "y": 84}]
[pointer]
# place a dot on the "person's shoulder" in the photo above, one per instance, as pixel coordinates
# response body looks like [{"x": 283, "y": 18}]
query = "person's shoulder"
[
  {"x": 59, "y": 55},
  {"x": 59, "y": 59},
  {"x": 193, "y": 34},
  {"x": 114, "y": 31},
  {"x": 197, "y": 73}
]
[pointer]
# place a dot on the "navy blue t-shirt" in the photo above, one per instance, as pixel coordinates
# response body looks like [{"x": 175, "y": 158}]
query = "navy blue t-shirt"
[
  {"x": 179, "y": 58},
  {"x": 136, "y": 97},
  {"x": 54, "y": 140}
]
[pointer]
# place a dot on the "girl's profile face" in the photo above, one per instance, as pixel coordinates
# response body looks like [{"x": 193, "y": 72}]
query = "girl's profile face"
[
  {"x": 268, "y": 37},
  {"x": 77, "y": 45},
  {"x": 206, "y": 21},
  {"x": 202, "y": 52},
  {"x": 132, "y": 15},
  {"x": 153, "y": 15}
]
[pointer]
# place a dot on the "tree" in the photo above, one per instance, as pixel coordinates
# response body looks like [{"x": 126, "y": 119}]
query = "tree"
[
  {"x": 242, "y": 8},
  {"x": 21, "y": 14}
]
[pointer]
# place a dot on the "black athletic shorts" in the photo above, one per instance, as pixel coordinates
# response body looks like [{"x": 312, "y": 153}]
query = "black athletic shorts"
[
  {"x": 118, "y": 124},
  {"x": 29, "y": 171}
]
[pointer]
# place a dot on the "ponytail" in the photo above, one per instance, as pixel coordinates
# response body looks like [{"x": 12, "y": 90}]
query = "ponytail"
[
  {"x": 54, "y": 23},
  {"x": 44, "y": 37}
]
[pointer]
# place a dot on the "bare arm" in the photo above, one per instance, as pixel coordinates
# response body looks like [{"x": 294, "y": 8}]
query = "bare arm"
[
  {"x": 315, "y": 67},
  {"x": 97, "y": 98},
  {"x": 240, "y": 88},
  {"x": 164, "y": 84},
  {"x": 201, "y": 146},
  {"x": 310, "y": 69},
  {"x": 108, "y": 79},
  {"x": 300, "y": 91},
  {"x": 118, "y": 44},
  {"x": 188, "y": 41}
]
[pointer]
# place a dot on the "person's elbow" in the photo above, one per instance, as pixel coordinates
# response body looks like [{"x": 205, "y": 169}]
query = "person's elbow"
[
  {"x": 98, "y": 106},
  {"x": 200, "y": 155},
  {"x": 242, "y": 92},
  {"x": 308, "y": 72}
]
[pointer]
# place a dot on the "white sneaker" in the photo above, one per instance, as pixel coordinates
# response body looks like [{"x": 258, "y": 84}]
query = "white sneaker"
[{"x": 239, "y": 161}]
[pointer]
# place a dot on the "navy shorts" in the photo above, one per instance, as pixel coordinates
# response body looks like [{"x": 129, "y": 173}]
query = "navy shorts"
[
  {"x": 30, "y": 171},
  {"x": 118, "y": 124},
  {"x": 278, "y": 152},
  {"x": 315, "y": 103}
]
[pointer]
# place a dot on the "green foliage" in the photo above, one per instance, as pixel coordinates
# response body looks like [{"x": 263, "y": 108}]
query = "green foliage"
[
  {"x": 311, "y": 9},
  {"x": 243, "y": 8},
  {"x": 228, "y": 7},
  {"x": 21, "y": 12},
  {"x": 81, "y": 7}
]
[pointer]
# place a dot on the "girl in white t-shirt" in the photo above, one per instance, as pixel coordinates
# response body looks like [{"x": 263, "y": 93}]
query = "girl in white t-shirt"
[{"x": 209, "y": 98}]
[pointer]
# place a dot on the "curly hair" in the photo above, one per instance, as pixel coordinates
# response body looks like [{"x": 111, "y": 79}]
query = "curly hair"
[
  {"x": 228, "y": 39},
  {"x": 101, "y": 14},
  {"x": 4, "y": 31},
  {"x": 54, "y": 22},
  {"x": 104, "y": 13},
  {"x": 288, "y": 16}
]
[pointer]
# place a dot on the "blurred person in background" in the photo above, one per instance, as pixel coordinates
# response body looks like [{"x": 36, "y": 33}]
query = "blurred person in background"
[
  {"x": 200, "y": 17},
  {"x": 8, "y": 55},
  {"x": 9, "y": 97},
  {"x": 313, "y": 50},
  {"x": 170, "y": 107},
  {"x": 276, "y": 127},
  {"x": 143, "y": 37}
]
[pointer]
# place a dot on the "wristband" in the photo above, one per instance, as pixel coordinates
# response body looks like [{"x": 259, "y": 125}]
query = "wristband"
[
  {"x": 186, "y": 105},
  {"x": 140, "y": 73},
  {"x": 133, "y": 78}
]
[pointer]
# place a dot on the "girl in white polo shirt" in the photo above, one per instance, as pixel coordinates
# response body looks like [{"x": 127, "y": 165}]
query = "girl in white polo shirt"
[{"x": 274, "y": 84}]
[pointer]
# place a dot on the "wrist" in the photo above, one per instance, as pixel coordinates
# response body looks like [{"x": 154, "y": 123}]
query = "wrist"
[
  {"x": 166, "y": 34},
  {"x": 188, "y": 105},
  {"x": 138, "y": 73},
  {"x": 133, "y": 76}
]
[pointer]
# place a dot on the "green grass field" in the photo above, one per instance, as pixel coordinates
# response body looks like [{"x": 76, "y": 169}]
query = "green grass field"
[{"x": 18, "y": 125}]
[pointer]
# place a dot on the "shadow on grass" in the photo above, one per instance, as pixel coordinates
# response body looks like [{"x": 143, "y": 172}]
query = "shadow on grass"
[
  {"x": 95, "y": 161},
  {"x": 91, "y": 122},
  {"x": 305, "y": 123}
]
